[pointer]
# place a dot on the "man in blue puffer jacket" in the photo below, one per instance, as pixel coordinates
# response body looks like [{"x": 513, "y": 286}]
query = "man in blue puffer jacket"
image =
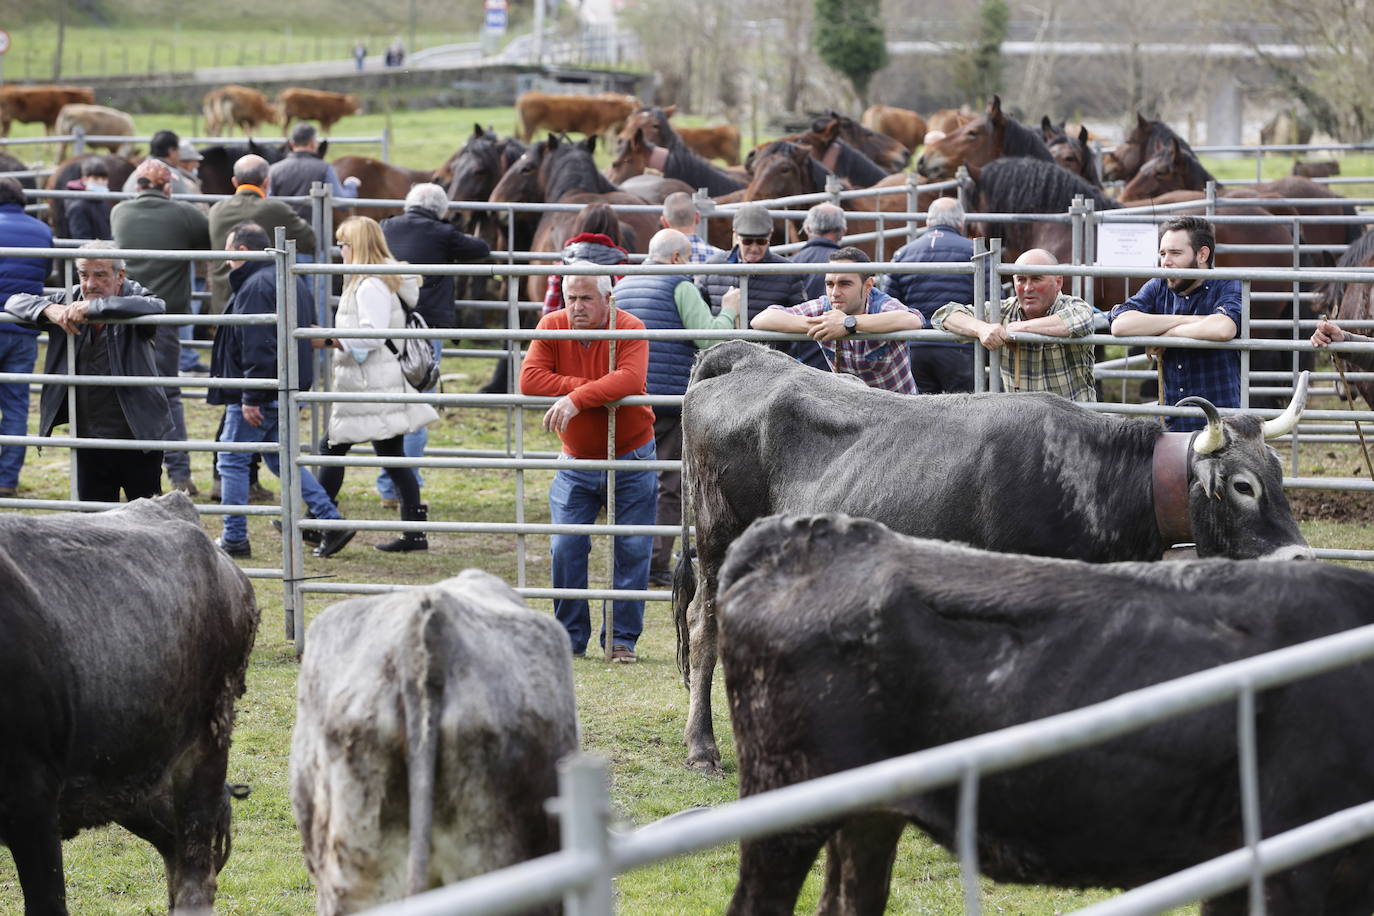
[
  {"x": 18, "y": 344},
  {"x": 669, "y": 302},
  {"x": 937, "y": 366}
]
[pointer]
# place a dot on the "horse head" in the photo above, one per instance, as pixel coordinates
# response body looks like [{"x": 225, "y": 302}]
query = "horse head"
[
  {"x": 976, "y": 143},
  {"x": 473, "y": 172},
  {"x": 1072, "y": 153},
  {"x": 522, "y": 181},
  {"x": 888, "y": 153},
  {"x": 631, "y": 156},
  {"x": 1164, "y": 172},
  {"x": 781, "y": 169},
  {"x": 1121, "y": 163}
]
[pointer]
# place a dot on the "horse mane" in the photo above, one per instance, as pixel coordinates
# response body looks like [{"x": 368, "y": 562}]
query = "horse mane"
[
  {"x": 1197, "y": 172},
  {"x": 686, "y": 165},
  {"x": 1359, "y": 254},
  {"x": 1021, "y": 185},
  {"x": 853, "y": 165},
  {"x": 572, "y": 169},
  {"x": 1020, "y": 140}
]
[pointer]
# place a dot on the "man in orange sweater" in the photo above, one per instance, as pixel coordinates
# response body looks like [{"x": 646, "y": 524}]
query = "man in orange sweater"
[{"x": 580, "y": 375}]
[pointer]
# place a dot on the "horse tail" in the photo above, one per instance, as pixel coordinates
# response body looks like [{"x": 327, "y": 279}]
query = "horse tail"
[{"x": 684, "y": 586}]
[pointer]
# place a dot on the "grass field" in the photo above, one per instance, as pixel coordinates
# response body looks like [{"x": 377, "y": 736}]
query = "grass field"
[{"x": 633, "y": 715}]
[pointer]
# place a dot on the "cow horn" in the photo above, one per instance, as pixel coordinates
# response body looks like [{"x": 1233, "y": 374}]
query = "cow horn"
[
  {"x": 1214, "y": 436},
  {"x": 1283, "y": 424}
]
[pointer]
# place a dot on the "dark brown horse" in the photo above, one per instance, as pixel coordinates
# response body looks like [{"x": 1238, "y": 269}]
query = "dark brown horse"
[
  {"x": 1145, "y": 141},
  {"x": 840, "y": 157},
  {"x": 649, "y": 141},
  {"x": 1074, "y": 153},
  {"x": 890, "y": 154},
  {"x": 561, "y": 171},
  {"x": 10, "y": 164},
  {"x": 1352, "y": 301},
  {"x": 1177, "y": 168},
  {"x": 980, "y": 141},
  {"x": 472, "y": 172}
]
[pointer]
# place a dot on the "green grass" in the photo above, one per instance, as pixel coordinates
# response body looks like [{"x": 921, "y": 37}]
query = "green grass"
[
  {"x": 1277, "y": 165},
  {"x": 633, "y": 715}
]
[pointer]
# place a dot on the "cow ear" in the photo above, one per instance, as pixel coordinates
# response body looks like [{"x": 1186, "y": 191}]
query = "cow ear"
[{"x": 670, "y": 111}]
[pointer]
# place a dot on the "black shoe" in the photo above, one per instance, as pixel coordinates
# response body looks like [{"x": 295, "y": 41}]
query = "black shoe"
[
  {"x": 663, "y": 578},
  {"x": 410, "y": 540},
  {"x": 334, "y": 540},
  {"x": 309, "y": 535},
  {"x": 238, "y": 549},
  {"x": 257, "y": 493}
]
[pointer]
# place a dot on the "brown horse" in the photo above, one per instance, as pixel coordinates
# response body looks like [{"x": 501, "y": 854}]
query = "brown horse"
[
  {"x": 1072, "y": 153},
  {"x": 648, "y": 141},
  {"x": 948, "y": 120},
  {"x": 906, "y": 127},
  {"x": 1176, "y": 168},
  {"x": 10, "y": 164},
  {"x": 889, "y": 154},
  {"x": 980, "y": 141},
  {"x": 562, "y": 171},
  {"x": 1145, "y": 141},
  {"x": 1352, "y": 301},
  {"x": 844, "y": 161},
  {"x": 379, "y": 181}
]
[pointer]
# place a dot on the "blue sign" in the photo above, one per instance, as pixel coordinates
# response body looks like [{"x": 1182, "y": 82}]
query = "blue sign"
[{"x": 496, "y": 16}]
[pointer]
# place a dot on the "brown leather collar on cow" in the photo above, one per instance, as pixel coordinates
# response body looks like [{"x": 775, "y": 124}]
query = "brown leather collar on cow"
[
  {"x": 658, "y": 157},
  {"x": 1169, "y": 480}
]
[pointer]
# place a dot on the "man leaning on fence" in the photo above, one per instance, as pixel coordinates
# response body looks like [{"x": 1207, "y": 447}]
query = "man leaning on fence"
[
  {"x": 580, "y": 375},
  {"x": 1039, "y": 306},
  {"x": 104, "y": 411},
  {"x": 249, "y": 351},
  {"x": 669, "y": 302},
  {"x": 1191, "y": 309},
  {"x": 18, "y": 345}
]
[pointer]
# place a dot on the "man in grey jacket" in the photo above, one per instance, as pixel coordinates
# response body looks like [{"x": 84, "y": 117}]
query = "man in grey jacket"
[{"x": 102, "y": 411}]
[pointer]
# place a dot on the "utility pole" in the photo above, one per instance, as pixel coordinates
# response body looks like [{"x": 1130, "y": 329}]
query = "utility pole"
[
  {"x": 413, "y": 46},
  {"x": 61, "y": 35}
]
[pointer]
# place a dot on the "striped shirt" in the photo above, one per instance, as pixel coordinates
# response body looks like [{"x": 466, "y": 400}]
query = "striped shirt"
[
  {"x": 879, "y": 363},
  {"x": 1065, "y": 369}
]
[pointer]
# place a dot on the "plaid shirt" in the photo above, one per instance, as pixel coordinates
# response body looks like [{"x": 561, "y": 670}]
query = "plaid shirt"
[
  {"x": 1065, "y": 369},
  {"x": 879, "y": 363},
  {"x": 1211, "y": 374},
  {"x": 702, "y": 250}
]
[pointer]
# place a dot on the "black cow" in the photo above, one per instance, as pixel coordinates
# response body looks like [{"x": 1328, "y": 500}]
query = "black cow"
[
  {"x": 1025, "y": 473},
  {"x": 124, "y": 641},
  {"x": 844, "y": 644}
]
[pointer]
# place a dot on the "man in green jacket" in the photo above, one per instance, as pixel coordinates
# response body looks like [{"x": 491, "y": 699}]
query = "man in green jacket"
[
  {"x": 153, "y": 221},
  {"x": 250, "y": 204}
]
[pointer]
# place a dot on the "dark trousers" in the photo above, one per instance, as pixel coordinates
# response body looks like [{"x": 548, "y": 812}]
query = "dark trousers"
[
  {"x": 404, "y": 478},
  {"x": 942, "y": 370},
  {"x": 102, "y": 472},
  {"x": 668, "y": 443}
]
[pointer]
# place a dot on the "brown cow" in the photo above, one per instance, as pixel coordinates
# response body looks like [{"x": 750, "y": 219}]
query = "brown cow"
[
  {"x": 1317, "y": 168},
  {"x": 315, "y": 105},
  {"x": 906, "y": 127},
  {"x": 96, "y": 121},
  {"x": 582, "y": 114},
  {"x": 30, "y": 104},
  {"x": 240, "y": 106},
  {"x": 719, "y": 142}
]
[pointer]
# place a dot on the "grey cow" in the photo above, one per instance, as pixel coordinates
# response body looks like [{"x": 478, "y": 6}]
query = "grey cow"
[
  {"x": 1023, "y": 473},
  {"x": 427, "y": 731},
  {"x": 124, "y": 640},
  {"x": 844, "y": 644}
]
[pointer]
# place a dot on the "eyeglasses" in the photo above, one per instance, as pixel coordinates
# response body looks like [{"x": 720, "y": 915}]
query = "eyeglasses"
[{"x": 753, "y": 240}]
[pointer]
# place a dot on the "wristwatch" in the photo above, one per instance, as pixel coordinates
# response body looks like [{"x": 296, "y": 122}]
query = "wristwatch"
[{"x": 851, "y": 324}]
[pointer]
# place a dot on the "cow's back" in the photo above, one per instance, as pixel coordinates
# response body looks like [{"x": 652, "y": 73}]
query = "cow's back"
[
  {"x": 500, "y": 677},
  {"x": 919, "y": 643},
  {"x": 157, "y": 650}
]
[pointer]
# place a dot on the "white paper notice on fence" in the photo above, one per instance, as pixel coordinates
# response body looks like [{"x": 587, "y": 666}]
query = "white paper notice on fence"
[{"x": 1127, "y": 245}]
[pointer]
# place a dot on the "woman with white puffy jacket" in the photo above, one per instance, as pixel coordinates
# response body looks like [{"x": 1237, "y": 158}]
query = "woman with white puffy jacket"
[{"x": 367, "y": 364}]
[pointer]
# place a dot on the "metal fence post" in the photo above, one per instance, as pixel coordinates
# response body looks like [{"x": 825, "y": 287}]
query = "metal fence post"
[
  {"x": 912, "y": 203},
  {"x": 980, "y": 295},
  {"x": 833, "y": 188},
  {"x": 967, "y": 841},
  {"x": 67, "y": 267},
  {"x": 1076, "y": 243},
  {"x": 994, "y": 302},
  {"x": 1211, "y": 198},
  {"x": 584, "y": 808},
  {"x": 962, "y": 176},
  {"x": 608, "y": 605},
  {"x": 320, "y": 285},
  {"x": 288, "y": 439},
  {"x": 515, "y": 416},
  {"x": 1294, "y": 442},
  {"x": 79, "y": 141},
  {"x": 386, "y": 144},
  {"x": 1249, "y": 793},
  {"x": 1245, "y": 335},
  {"x": 1089, "y": 247}
]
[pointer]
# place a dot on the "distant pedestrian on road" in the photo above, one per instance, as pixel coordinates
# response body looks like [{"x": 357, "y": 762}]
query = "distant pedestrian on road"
[{"x": 360, "y": 53}]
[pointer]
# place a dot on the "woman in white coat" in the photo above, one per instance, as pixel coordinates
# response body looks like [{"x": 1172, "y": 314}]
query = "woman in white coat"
[{"x": 367, "y": 364}]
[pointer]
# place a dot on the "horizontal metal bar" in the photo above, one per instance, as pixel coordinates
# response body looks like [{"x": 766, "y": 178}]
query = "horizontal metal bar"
[
  {"x": 510, "y": 890},
  {"x": 355, "y": 524}
]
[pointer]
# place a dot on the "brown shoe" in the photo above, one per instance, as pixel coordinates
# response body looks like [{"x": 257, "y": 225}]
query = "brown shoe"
[
  {"x": 623, "y": 655},
  {"x": 8, "y": 492}
]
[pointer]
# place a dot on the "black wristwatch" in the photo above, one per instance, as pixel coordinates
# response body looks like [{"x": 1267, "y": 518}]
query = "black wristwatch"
[{"x": 851, "y": 324}]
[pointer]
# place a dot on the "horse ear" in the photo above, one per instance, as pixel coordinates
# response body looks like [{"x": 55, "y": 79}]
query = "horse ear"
[
  {"x": 1175, "y": 151},
  {"x": 995, "y": 108},
  {"x": 831, "y": 130},
  {"x": 324, "y": 148},
  {"x": 670, "y": 111},
  {"x": 1046, "y": 127},
  {"x": 476, "y": 131},
  {"x": 1140, "y": 122},
  {"x": 1083, "y": 135},
  {"x": 639, "y": 139},
  {"x": 589, "y": 144},
  {"x": 551, "y": 143}
]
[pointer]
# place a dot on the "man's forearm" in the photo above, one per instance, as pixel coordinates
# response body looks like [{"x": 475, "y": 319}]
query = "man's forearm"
[
  {"x": 892, "y": 320},
  {"x": 1208, "y": 327},
  {"x": 964, "y": 324},
  {"x": 775, "y": 319},
  {"x": 1048, "y": 326},
  {"x": 1142, "y": 324}
]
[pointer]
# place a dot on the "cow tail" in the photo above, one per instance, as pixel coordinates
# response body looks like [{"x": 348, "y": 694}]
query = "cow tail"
[
  {"x": 422, "y": 693},
  {"x": 684, "y": 585}
]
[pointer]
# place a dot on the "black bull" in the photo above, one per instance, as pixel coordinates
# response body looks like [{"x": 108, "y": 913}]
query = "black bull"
[
  {"x": 844, "y": 644},
  {"x": 124, "y": 639},
  {"x": 1026, "y": 473}
]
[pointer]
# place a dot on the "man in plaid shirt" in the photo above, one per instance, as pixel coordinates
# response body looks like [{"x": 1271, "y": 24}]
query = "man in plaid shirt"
[
  {"x": 1193, "y": 309},
  {"x": 1039, "y": 307},
  {"x": 851, "y": 305},
  {"x": 680, "y": 213}
]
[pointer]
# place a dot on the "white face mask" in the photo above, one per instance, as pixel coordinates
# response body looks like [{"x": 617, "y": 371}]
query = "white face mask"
[{"x": 96, "y": 184}]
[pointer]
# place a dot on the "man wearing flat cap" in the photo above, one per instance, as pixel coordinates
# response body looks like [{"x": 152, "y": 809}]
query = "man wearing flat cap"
[
  {"x": 753, "y": 230},
  {"x": 151, "y": 220}
]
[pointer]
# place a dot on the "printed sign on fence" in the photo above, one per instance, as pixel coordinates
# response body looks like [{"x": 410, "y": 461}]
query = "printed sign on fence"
[{"x": 1127, "y": 245}]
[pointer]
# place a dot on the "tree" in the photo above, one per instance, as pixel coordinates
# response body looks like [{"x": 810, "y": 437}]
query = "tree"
[
  {"x": 978, "y": 72},
  {"x": 848, "y": 36}
]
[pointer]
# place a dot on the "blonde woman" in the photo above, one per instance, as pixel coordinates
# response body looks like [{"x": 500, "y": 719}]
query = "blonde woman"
[{"x": 367, "y": 364}]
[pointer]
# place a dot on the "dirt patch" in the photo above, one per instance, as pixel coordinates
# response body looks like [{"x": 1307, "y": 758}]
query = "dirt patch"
[{"x": 1332, "y": 505}]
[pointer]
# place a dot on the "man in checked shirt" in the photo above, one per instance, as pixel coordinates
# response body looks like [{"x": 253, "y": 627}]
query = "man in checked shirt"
[
  {"x": 1040, "y": 306},
  {"x": 851, "y": 305}
]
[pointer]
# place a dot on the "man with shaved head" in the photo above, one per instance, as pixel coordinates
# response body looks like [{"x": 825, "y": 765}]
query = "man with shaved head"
[
  {"x": 671, "y": 302},
  {"x": 680, "y": 213},
  {"x": 1040, "y": 307}
]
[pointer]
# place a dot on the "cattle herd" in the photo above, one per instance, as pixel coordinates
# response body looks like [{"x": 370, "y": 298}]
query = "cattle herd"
[{"x": 877, "y": 574}]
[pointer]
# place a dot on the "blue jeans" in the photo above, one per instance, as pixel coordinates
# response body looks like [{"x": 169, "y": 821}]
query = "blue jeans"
[
  {"x": 412, "y": 446},
  {"x": 233, "y": 470},
  {"x": 18, "y": 353},
  {"x": 576, "y": 497}
]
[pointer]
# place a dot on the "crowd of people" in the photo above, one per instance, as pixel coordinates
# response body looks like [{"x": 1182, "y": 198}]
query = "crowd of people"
[{"x": 837, "y": 311}]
